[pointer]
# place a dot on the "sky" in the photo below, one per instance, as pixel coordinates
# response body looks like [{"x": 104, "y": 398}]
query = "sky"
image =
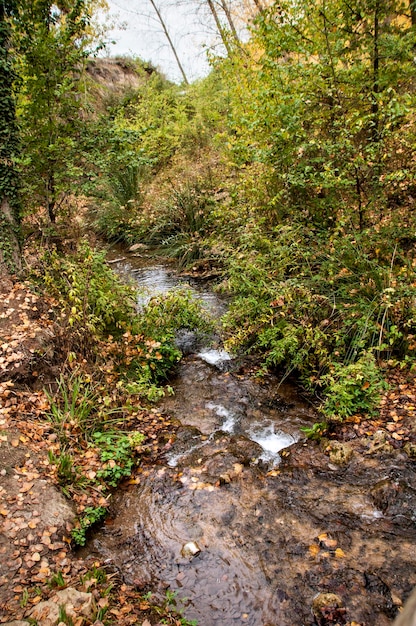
[{"x": 136, "y": 31}]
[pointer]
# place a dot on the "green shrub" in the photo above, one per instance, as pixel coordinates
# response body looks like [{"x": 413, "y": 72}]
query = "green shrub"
[
  {"x": 117, "y": 451},
  {"x": 150, "y": 352},
  {"x": 90, "y": 517},
  {"x": 95, "y": 300},
  {"x": 353, "y": 388},
  {"x": 322, "y": 305}
]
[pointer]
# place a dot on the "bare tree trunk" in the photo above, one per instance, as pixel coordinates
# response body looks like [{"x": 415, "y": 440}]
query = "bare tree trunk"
[
  {"x": 10, "y": 253},
  {"x": 168, "y": 37},
  {"x": 230, "y": 20},
  {"x": 258, "y": 5},
  {"x": 220, "y": 27}
]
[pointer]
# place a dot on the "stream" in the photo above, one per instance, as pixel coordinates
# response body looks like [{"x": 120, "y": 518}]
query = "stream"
[{"x": 244, "y": 520}]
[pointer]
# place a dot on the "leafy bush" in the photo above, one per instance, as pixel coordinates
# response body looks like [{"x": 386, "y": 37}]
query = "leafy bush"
[
  {"x": 352, "y": 388},
  {"x": 117, "y": 452},
  {"x": 147, "y": 355},
  {"x": 182, "y": 221},
  {"x": 95, "y": 299},
  {"x": 322, "y": 305}
]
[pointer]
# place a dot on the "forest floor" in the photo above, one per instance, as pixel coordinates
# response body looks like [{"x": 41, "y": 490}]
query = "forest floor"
[{"x": 37, "y": 558}]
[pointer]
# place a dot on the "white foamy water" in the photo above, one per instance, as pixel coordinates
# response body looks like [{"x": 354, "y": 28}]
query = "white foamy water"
[
  {"x": 214, "y": 357},
  {"x": 270, "y": 440},
  {"x": 220, "y": 410}
]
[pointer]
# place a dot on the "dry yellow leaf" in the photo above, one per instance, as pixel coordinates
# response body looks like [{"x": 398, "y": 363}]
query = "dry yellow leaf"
[
  {"x": 339, "y": 553},
  {"x": 314, "y": 549}
]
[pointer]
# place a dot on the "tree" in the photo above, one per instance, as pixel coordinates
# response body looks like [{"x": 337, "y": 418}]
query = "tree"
[
  {"x": 170, "y": 41},
  {"x": 322, "y": 105},
  {"x": 9, "y": 149},
  {"x": 53, "y": 40}
]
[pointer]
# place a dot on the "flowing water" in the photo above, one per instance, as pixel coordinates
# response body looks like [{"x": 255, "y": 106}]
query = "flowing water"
[{"x": 242, "y": 537}]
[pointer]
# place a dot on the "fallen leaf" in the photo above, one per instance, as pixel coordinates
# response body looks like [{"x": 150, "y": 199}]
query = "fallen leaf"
[
  {"x": 26, "y": 487},
  {"x": 339, "y": 553},
  {"x": 314, "y": 550}
]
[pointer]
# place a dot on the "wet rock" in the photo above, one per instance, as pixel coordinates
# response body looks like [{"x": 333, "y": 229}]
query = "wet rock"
[
  {"x": 327, "y": 609},
  {"x": 381, "y": 593},
  {"x": 76, "y": 604},
  {"x": 245, "y": 450},
  {"x": 187, "y": 437},
  {"x": 231, "y": 474},
  {"x": 378, "y": 443},
  {"x": 190, "y": 549},
  {"x": 222, "y": 468},
  {"x": 137, "y": 246},
  {"x": 339, "y": 453}
]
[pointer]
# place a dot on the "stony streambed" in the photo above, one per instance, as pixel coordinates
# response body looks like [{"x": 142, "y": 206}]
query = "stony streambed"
[{"x": 250, "y": 531}]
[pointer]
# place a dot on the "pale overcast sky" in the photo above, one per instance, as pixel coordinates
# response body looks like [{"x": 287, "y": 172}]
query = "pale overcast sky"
[{"x": 141, "y": 35}]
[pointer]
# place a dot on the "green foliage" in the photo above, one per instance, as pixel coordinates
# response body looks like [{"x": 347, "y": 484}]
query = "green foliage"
[
  {"x": 10, "y": 235},
  {"x": 52, "y": 44},
  {"x": 57, "y": 580},
  {"x": 171, "y": 609},
  {"x": 143, "y": 135},
  {"x": 352, "y": 388},
  {"x": 151, "y": 353},
  {"x": 323, "y": 306},
  {"x": 316, "y": 431},
  {"x": 325, "y": 105},
  {"x": 117, "y": 452},
  {"x": 67, "y": 474},
  {"x": 90, "y": 517},
  {"x": 24, "y": 599},
  {"x": 182, "y": 221},
  {"x": 95, "y": 300},
  {"x": 74, "y": 408},
  {"x": 167, "y": 313},
  {"x": 63, "y": 616},
  {"x": 96, "y": 574}
]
